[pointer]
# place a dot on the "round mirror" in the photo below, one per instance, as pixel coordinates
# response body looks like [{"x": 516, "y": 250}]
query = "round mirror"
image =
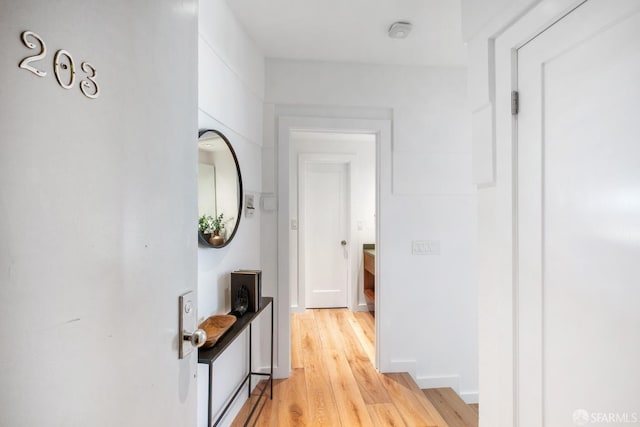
[{"x": 219, "y": 190}]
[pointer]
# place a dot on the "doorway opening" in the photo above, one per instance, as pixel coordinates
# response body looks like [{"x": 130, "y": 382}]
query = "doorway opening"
[
  {"x": 333, "y": 235},
  {"x": 288, "y": 292}
]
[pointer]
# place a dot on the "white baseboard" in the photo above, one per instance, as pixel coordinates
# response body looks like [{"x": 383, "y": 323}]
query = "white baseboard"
[
  {"x": 470, "y": 397},
  {"x": 451, "y": 381},
  {"x": 296, "y": 309},
  {"x": 402, "y": 366},
  {"x": 361, "y": 307}
]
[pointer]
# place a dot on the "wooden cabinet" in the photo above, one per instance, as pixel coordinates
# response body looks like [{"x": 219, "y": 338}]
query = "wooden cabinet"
[{"x": 369, "y": 274}]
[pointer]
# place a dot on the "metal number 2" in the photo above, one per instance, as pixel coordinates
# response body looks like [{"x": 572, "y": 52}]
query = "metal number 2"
[
  {"x": 58, "y": 65},
  {"x": 43, "y": 51},
  {"x": 85, "y": 84}
]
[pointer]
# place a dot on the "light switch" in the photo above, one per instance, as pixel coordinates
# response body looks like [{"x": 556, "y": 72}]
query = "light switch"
[
  {"x": 249, "y": 208},
  {"x": 269, "y": 203},
  {"x": 294, "y": 224},
  {"x": 425, "y": 247}
]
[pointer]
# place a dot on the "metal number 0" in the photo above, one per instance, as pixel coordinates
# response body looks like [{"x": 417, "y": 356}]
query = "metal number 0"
[
  {"x": 58, "y": 65},
  {"x": 85, "y": 84},
  {"x": 43, "y": 51}
]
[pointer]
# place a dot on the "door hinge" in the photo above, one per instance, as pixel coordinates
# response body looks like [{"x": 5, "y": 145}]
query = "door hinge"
[{"x": 515, "y": 102}]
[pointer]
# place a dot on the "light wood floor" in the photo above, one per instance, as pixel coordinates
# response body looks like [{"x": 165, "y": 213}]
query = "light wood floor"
[{"x": 334, "y": 383}]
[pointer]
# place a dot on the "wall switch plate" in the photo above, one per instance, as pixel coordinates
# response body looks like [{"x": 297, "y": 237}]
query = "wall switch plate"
[
  {"x": 269, "y": 203},
  {"x": 294, "y": 224},
  {"x": 249, "y": 206},
  {"x": 425, "y": 247}
]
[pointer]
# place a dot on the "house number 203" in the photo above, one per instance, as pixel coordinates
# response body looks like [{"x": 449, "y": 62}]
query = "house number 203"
[{"x": 63, "y": 66}]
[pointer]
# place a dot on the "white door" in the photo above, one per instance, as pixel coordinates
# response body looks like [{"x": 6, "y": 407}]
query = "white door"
[
  {"x": 98, "y": 213},
  {"x": 324, "y": 224},
  {"x": 579, "y": 219}
]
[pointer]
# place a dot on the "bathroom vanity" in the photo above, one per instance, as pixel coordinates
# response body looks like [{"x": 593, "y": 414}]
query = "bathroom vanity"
[{"x": 369, "y": 272}]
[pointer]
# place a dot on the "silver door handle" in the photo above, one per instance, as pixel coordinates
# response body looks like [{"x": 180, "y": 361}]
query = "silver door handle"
[
  {"x": 343, "y": 243},
  {"x": 197, "y": 338}
]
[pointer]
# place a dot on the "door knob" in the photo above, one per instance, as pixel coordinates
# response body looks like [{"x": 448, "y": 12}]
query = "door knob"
[
  {"x": 197, "y": 338},
  {"x": 343, "y": 243}
]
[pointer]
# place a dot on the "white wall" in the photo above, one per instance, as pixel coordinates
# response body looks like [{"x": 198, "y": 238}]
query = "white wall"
[
  {"x": 230, "y": 98},
  {"x": 362, "y": 203},
  {"x": 488, "y": 17},
  {"x": 432, "y": 199},
  {"x": 98, "y": 202}
]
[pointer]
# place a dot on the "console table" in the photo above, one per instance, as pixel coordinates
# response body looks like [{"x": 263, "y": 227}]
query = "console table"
[{"x": 209, "y": 355}]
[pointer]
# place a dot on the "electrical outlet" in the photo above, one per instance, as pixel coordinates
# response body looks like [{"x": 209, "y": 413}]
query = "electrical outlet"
[{"x": 425, "y": 247}]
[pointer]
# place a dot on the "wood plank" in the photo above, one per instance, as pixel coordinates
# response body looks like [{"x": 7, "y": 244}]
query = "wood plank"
[
  {"x": 327, "y": 329},
  {"x": 408, "y": 404},
  {"x": 293, "y": 407},
  {"x": 367, "y": 318},
  {"x": 368, "y": 379},
  {"x": 323, "y": 409},
  {"x": 367, "y": 339},
  {"x": 368, "y": 324},
  {"x": 269, "y": 415},
  {"x": 452, "y": 408},
  {"x": 266, "y": 409},
  {"x": 385, "y": 415},
  {"x": 309, "y": 338},
  {"x": 243, "y": 415},
  {"x": 351, "y": 406},
  {"x": 411, "y": 385},
  {"x": 296, "y": 346},
  {"x": 351, "y": 342},
  {"x": 476, "y": 408},
  {"x": 364, "y": 372}
]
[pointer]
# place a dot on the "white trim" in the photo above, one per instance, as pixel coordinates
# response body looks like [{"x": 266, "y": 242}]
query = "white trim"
[
  {"x": 445, "y": 381},
  {"x": 408, "y": 366},
  {"x": 470, "y": 397},
  {"x": 382, "y": 130},
  {"x": 363, "y": 306}
]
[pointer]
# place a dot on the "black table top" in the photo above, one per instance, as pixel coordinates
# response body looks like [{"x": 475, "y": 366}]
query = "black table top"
[{"x": 209, "y": 355}]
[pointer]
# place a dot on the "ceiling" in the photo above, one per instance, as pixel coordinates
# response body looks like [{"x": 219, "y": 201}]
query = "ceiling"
[{"x": 354, "y": 30}]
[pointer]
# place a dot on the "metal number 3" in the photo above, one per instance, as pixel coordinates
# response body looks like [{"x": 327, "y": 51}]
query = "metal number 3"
[{"x": 86, "y": 84}]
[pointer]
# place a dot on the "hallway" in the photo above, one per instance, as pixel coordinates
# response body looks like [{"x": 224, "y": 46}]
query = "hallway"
[{"x": 334, "y": 383}]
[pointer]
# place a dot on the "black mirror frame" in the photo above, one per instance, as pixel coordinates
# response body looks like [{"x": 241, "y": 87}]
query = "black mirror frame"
[{"x": 201, "y": 240}]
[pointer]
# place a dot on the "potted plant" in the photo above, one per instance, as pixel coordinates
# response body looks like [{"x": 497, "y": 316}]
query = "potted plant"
[
  {"x": 216, "y": 226},
  {"x": 205, "y": 226}
]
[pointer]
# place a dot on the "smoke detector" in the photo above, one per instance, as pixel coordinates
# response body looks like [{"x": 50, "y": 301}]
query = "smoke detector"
[{"x": 400, "y": 29}]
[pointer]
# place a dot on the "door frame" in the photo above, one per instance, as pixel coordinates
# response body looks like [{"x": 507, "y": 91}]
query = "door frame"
[
  {"x": 504, "y": 46},
  {"x": 381, "y": 128},
  {"x": 338, "y": 159}
]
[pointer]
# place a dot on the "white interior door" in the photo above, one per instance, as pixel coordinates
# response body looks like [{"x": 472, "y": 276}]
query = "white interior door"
[
  {"x": 579, "y": 219},
  {"x": 324, "y": 222},
  {"x": 98, "y": 215}
]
